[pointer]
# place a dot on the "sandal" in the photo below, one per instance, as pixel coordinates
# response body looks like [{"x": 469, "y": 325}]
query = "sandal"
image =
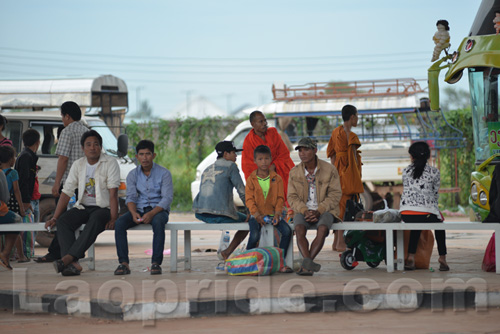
[
  {"x": 286, "y": 270},
  {"x": 122, "y": 270},
  {"x": 58, "y": 266},
  {"x": 70, "y": 270},
  {"x": 155, "y": 269},
  {"x": 310, "y": 265},
  {"x": 304, "y": 272},
  {"x": 410, "y": 265},
  {"x": 24, "y": 261},
  {"x": 45, "y": 259},
  {"x": 5, "y": 264},
  {"x": 443, "y": 266}
]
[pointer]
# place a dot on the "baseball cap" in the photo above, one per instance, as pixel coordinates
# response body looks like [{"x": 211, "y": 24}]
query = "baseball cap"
[
  {"x": 307, "y": 142},
  {"x": 225, "y": 146}
]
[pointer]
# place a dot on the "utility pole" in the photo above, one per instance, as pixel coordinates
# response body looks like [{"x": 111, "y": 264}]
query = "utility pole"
[
  {"x": 138, "y": 97},
  {"x": 188, "y": 101},
  {"x": 228, "y": 103}
]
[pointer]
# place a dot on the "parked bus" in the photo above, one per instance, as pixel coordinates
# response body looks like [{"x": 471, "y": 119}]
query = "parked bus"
[{"x": 479, "y": 54}]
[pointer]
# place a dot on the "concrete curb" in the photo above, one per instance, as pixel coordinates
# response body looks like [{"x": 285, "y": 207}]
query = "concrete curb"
[{"x": 457, "y": 300}]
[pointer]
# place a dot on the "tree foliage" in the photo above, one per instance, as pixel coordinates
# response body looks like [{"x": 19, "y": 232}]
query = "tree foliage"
[
  {"x": 462, "y": 120},
  {"x": 180, "y": 146}
]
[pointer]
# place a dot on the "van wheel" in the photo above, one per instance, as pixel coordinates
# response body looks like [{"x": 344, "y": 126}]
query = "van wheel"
[{"x": 366, "y": 199}]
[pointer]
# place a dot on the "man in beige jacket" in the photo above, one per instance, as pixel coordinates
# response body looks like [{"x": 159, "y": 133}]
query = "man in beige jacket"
[{"x": 314, "y": 193}]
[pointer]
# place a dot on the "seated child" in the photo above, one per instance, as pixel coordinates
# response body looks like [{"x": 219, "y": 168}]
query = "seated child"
[{"x": 265, "y": 196}]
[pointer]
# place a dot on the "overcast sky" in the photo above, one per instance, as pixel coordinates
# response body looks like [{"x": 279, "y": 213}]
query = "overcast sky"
[{"x": 228, "y": 51}]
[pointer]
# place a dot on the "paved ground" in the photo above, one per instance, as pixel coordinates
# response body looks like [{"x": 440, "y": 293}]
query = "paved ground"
[
  {"x": 206, "y": 291},
  {"x": 383, "y": 322}
]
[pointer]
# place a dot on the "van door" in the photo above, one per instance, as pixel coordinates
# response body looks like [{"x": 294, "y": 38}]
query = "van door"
[{"x": 14, "y": 131}]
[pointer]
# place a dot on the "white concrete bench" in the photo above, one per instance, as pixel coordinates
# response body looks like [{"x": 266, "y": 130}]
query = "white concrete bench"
[
  {"x": 173, "y": 227},
  {"x": 37, "y": 227},
  {"x": 401, "y": 227},
  {"x": 389, "y": 228}
]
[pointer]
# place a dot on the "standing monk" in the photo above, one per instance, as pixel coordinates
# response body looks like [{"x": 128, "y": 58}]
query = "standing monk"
[
  {"x": 262, "y": 135},
  {"x": 343, "y": 151}
]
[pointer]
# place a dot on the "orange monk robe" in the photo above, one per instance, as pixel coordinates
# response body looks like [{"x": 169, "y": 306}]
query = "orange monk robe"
[
  {"x": 279, "y": 152},
  {"x": 341, "y": 147}
]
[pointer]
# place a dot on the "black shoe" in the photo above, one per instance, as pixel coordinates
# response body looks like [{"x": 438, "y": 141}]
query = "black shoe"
[
  {"x": 155, "y": 269},
  {"x": 58, "y": 266}
]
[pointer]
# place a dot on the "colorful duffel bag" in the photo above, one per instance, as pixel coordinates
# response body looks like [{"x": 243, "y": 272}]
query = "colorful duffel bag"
[{"x": 260, "y": 261}]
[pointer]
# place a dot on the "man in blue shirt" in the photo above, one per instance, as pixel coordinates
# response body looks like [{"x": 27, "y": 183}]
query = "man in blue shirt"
[{"x": 149, "y": 195}]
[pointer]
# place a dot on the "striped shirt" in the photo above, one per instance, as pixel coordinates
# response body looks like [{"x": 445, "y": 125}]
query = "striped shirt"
[{"x": 69, "y": 144}]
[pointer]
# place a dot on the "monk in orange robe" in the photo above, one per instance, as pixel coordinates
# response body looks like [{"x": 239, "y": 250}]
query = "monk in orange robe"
[
  {"x": 262, "y": 135},
  {"x": 343, "y": 151}
]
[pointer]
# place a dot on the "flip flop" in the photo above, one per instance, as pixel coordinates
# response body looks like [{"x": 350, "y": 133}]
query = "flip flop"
[
  {"x": 5, "y": 264},
  {"x": 24, "y": 261},
  {"x": 122, "y": 270},
  {"x": 304, "y": 272},
  {"x": 45, "y": 259},
  {"x": 443, "y": 267},
  {"x": 310, "y": 265},
  {"x": 286, "y": 270}
]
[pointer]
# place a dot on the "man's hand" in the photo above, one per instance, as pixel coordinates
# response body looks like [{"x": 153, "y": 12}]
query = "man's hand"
[
  {"x": 27, "y": 206},
  {"x": 50, "y": 223},
  {"x": 147, "y": 217},
  {"x": 136, "y": 217},
  {"x": 55, "y": 190},
  {"x": 22, "y": 211},
  {"x": 277, "y": 218},
  {"x": 311, "y": 216},
  {"x": 111, "y": 224},
  {"x": 260, "y": 219}
]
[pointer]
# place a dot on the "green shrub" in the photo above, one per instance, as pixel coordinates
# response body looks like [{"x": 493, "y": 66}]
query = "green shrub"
[{"x": 180, "y": 145}]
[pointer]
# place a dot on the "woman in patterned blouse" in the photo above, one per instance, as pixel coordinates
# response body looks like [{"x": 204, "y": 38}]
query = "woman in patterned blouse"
[{"x": 419, "y": 202}]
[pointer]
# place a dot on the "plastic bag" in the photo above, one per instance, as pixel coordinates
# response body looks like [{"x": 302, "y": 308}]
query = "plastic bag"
[
  {"x": 260, "y": 261},
  {"x": 223, "y": 243},
  {"x": 489, "y": 263},
  {"x": 386, "y": 215}
]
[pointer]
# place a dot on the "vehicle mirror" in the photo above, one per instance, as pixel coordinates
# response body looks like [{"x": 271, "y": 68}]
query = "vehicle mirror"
[{"x": 122, "y": 145}]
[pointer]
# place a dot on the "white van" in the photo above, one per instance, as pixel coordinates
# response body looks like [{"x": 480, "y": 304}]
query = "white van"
[
  {"x": 383, "y": 162},
  {"x": 47, "y": 123}
]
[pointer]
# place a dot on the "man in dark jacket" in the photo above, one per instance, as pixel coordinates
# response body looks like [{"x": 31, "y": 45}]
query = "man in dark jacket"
[{"x": 26, "y": 165}]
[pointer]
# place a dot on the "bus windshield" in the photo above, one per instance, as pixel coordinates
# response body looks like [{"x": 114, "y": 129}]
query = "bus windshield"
[{"x": 483, "y": 84}]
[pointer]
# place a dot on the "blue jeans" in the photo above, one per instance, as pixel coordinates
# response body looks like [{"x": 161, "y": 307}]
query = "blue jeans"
[
  {"x": 283, "y": 228},
  {"x": 125, "y": 222},
  {"x": 216, "y": 219}
]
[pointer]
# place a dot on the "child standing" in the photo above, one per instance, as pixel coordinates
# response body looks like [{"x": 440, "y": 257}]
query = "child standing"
[
  {"x": 26, "y": 167},
  {"x": 265, "y": 196},
  {"x": 7, "y": 159}
]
